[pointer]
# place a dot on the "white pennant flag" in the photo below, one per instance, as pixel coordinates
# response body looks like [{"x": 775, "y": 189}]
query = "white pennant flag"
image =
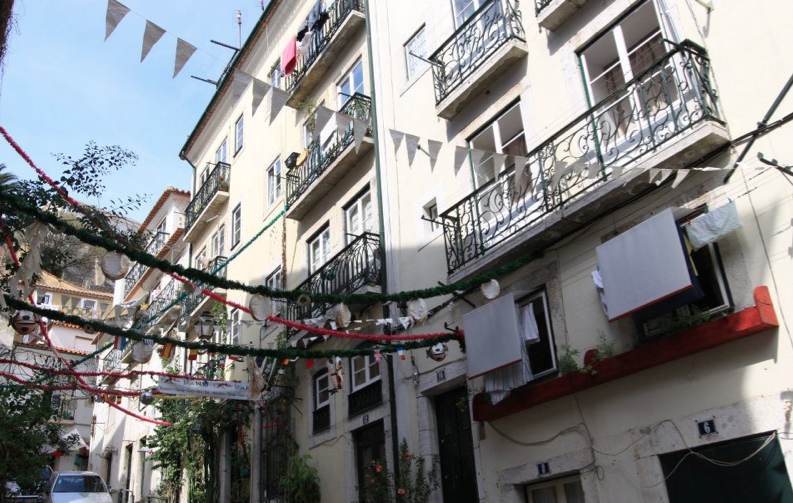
[
  {"x": 520, "y": 172},
  {"x": 359, "y": 131},
  {"x": 260, "y": 88},
  {"x": 238, "y": 86},
  {"x": 343, "y": 123},
  {"x": 278, "y": 98},
  {"x": 412, "y": 144},
  {"x": 406, "y": 321},
  {"x": 476, "y": 156},
  {"x": 498, "y": 164},
  {"x": 184, "y": 51},
  {"x": 680, "y": 175},
  {"x": 560, "y": 169},
  {"x": 322, "y": 115},
  {"x": 115, "y": 13},
  {"x": 151, "y": 35},
  {"x": 397, "y": 137},
  {"x": 434, "y": 149},
  {"x": 460, "y": 155}
]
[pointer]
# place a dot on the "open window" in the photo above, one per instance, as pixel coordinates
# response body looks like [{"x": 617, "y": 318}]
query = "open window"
[
  {"x": 365, "y": 371},
  {"x": 564, "y": 490},
  {"x": 322, "y": 392}
]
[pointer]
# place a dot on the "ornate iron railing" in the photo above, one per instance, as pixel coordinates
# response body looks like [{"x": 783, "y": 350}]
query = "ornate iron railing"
[
  {"x": 358, "y": 264},
  {"x": 321, "y": 419},
  {"x": 218, "y": 180},
  {"x": 660, "y": 103},
  {"x": 365, "y": 398},
  {"x": 108, "y": 363},
  {"x": 337, "y": 13},
  {"x": 474, "y": 42},
  {"x": 154, "y": 247},
  {"x": 194, "y": 299},
  {"x": 320, "y": 158},
  {"x": 539, "y": 5},
  {"x": 158, "y": 303}
]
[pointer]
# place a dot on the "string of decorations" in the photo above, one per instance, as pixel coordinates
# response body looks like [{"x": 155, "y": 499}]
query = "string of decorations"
[
  {"x": 16, "y": 203},
  {"x": 227, "y": 349},
  {"x": 69, "y": 387},
  {"x": 369, "y": 337}
]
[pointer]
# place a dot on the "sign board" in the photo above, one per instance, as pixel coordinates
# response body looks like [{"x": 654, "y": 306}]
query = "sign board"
[
  {"x": 707, "y": 427},
  {"x": 213, "y": 389}
]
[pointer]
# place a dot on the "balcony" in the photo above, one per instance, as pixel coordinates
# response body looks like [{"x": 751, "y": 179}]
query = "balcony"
[
  {"x": 476, "y": 55},
  {"x": 667, "y": 114},
  {"x": 327, "y": 164},
  {"x": 197, "y": 302},
  {"x": 355, "y": 268},
  {"x": 109, "y": 363},
  {"x": 552, "y": 13},
  {"x": 346, "y": 18},
  {"x": 365, "y": 398},
  {"x": 165, "y": 297},
  {"x": 208, "y": 200},
  {"x": 137, "y": 271}
]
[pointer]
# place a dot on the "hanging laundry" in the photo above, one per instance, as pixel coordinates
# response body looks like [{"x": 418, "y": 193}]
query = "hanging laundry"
[
  {"x": 601, "y": 291},
  {"x": 302, "y": 31},
  {"x": 289, "y": 57},
  {"x": 711, "y": 227},
  {"x": 318, "y": 16},
  {"x": 304, "y": 43},
  {"x": 528, "y": 324}
]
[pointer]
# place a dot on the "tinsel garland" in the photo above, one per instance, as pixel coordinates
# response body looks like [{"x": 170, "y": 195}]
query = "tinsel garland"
[
  {"x": 15, "y": 203},
  {"x": 68, "y": 387},
  {"x": 224, "y": 348},
  {"x": 368, "y": 337}
]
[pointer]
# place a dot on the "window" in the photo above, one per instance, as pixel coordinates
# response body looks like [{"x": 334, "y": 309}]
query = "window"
[
  {"x": 89, "y": 304},
  {"x": 219, "y": 242},
  {"x": 416, "y": 46},
  {"x": 319, "y": 250},
  {"x": 161, "y": 235},
  {"x": 220, "y": 156},
  {"x": 539, "y": 345},
  {"x": 351, "y": 83},
  {"x": 274, "y": 281},
  {"x": 235, "y": 332},
  {"x": 327, "y": 137},
  {"x": 430, "y": 213},
  {"x": 236, "y": 225},
  {"x": 274, "y": 181},
  {"x": 321, "y": 390},
  {"x": 566, "y": 490},
  {"x": 43, "y": 298},
  {"x": 201, "y": 259},
  {"x": 463, "y": 9},
  {"x": 358, "y": 217},
  {"x": 238, "y": 128},
  {"x": 275, "y": 75},
  {"x": 503, "y": 136},
  {"x": 365, "y": 371},
  {"x": 204, "y": 176},
  {"x": 79, "y": 483}
]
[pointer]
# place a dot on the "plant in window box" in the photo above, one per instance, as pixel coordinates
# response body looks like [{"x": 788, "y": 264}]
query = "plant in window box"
[
  {"x": 602, "y": 351},
  {"x": 301, "y": 482},
  {"x": 567, "y": 361}
]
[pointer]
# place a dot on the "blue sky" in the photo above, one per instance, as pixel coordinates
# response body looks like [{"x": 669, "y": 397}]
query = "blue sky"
[{"x": 64, "y": 86}]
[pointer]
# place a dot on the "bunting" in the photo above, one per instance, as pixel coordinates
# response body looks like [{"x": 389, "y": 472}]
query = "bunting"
[
  {"x": 239, "y": 85},
  {"x": 434, "y": 150},
  {"x": 343, "y": 123},
  {"x": 278, "y": 99},
  {"x": 396, "y": 137},
  {"x": 260, "y": 89},
  {"x": 321, "y": 118},
  {"x": 184, "y": 51},
  {"x": 359, "y": 132},
  {"x": 151, "y": 35},
  {"x": 412, "y": 144},
  {"x": 115, "y": 13}
]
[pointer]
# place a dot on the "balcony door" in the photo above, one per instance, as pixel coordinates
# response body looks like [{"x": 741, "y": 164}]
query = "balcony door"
[
  {"x": 219, "y": 242},
  {"x": 456, "y": 447},
  {"x": 351, "y": 83},
  {"x": 358, "y": 217},
  {"x": 319, "y": 250},
  {"x": 369, "y": 449}
]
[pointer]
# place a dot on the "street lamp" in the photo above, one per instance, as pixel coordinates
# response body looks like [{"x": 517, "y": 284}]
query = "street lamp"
[{"x": 205, "y": 326}]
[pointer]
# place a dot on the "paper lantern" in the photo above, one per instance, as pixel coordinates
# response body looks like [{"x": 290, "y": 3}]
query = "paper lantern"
[
  {"x": 438, "y": 352},
  {"x": 343, "y": 316},
  {"x": 303, "y": 300},
  {"x": 417, "y": 309},
  {"x": 114, "y": 265},
  {"x": 491, "y": 289},
  {"x": 260, "y": 307},
  {"x": 25, "y": 322}
]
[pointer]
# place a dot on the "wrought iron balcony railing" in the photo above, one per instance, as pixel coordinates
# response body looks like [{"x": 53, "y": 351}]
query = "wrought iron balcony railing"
[
  {"x": 358, "y": 264},
  {"x": 321, "y": 419},
  {"x": 540, "y": 5},
  {"x": 108, "y": 363},
  {"x": 665, "y": 100},
  {"x": 158, "y": 303},
  {"x": 193, "y": 300},
  {"x": 474, "y": 42},
  {"x": 154, "y": 247},
  {"x": 321, "y": 157},
  {"x": 337, "y": 13},
  {"x": 218, "y": 180},
  {"x": 365, "y": 398}
]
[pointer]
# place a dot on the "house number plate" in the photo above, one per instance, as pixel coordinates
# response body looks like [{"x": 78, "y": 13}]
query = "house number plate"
[
  {"x": 543, "y": 468},
  {"x": 707, "y": 427}
]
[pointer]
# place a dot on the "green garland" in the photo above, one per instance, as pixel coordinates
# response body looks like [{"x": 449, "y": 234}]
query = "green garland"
[
  {"x": 10, "y": 202},
  {"x": 99, "y": 326}
]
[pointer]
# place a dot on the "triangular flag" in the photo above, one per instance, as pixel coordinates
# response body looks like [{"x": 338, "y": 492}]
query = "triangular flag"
[
  {"x": 498, "y": 164},
  {"x": 520, "y": 172},
  {"x": 151, "y": 35},
  {"x": 115, "y": 13},
  {"x": 412, "y": 144},
  {"x": 434, "y": 149},
  {"x": 184, "y": 50},
  {"x": 278, "y": 98},
  {"x": 680, "y": 175},
  {"x": 476, "y": 156},
  {"x": 460, "y": 155},
  {"x": 322, "y": 115},
  {"x": 397, "y": 137},
  {"x": 260, "y": 88},
  {"x": 240, "y": 83},
  {"x": 343, "y": 123},
  {"x": 359, "y": 131}
]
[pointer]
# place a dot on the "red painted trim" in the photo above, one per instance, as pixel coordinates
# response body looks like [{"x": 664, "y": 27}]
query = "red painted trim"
[{"x": 750, "y": 321}]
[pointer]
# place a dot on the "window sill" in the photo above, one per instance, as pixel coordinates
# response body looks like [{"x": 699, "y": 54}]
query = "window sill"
[{"x": 710, "y": 334}]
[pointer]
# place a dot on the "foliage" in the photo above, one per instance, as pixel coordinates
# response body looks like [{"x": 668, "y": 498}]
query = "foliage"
[
  {"x": 603, "y": 350},
  {"x": 567, "y": 362},
  {"x": 301, "y": 482},
  {"x": 26, "y": 425},
  {"x": 677, "y": 323},
  {"x": 414, "y": 484}
]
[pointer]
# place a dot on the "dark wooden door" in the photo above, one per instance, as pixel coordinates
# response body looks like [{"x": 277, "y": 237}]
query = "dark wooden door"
[
  {"x": 369, "y": 446},
  {"x": 456, "y": 444}
]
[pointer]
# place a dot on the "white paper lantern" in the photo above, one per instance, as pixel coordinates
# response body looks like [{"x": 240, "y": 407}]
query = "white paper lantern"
[
  {"x": 491, "y": 289},
  {"x": 260, "y": 307},
  {"x": 417, "y": 308},
  {"x": 114, "y": 265}
]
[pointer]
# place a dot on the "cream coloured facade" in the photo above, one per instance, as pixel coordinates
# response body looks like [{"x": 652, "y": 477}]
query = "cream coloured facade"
[{"x": 572, "y": 112}]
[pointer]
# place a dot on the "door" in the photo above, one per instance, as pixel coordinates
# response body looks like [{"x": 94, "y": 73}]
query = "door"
[
  {"x": 123, "y": 496},
  {"x": 369, "y": 447},
  {"x": 456, "y": 445}
]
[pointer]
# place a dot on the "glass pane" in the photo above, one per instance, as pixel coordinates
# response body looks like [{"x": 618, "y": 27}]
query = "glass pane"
[
  {"x": 540, "y": 353},
  {"x": 573, "y": 492},
  {"x": 374, "y": 369},
  {"x": 357, "y": 77},
  {"x": 353, "y": 220},
  {"x": 544, "y": 495}
]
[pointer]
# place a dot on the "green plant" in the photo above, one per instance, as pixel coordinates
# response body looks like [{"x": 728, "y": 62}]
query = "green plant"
[
  {"x": 414, "y": 485},
  {"x": 301, "y": 482},
  {"x": 677, "y": 323},
  {"x": 604, "y": 349},
  {"x": 567, "y": 362}
]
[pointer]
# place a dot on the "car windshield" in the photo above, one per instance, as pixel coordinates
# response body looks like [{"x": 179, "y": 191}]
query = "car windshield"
[{"x": 79, "y": 484}]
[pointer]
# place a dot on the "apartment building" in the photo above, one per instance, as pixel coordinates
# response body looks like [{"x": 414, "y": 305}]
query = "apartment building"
[
  {"x": 619, "y": 362},
  {"x": 119, "y": 450}
]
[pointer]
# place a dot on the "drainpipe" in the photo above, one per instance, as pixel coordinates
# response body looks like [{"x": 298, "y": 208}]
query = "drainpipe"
[{"x": 381, "y": 220}]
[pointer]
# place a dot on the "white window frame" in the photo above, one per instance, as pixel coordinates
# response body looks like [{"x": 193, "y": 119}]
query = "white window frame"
[
  {"x": 274, "y": 182},
  {"x": 352, "y": 86},
  {"x": 324, "y": 249},
  {"x": 541, "y": 296},
  {"x": 219, "y": 242},
  {"x": 275, "y": 76},
  {"x": 319, "y": 376},
  {"x": 236, "y": 225},
  {"x": 274, "y": 282},
  {"x": 84, "y": 304},
  {"x": 557, "y": 483},
  {"x": 430, "y": 212},
  {"x": 46, "y": 299},
  {"x": 365, "y": 216},
  {"x": 501, "y": 143},
  {"x": 415, "y": 66},
  {"x": 456, "y": 12},
  {"x": 235, "y": 327},
  {"x": 369, "y": 364},
  {"x": 221, "y": 155},
  {"x": 239, "y": 132},
  {"x": 201, "y": 259}
]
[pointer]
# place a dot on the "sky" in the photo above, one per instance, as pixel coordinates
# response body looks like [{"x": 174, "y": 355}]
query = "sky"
[{"x": 62, "y": 85}]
